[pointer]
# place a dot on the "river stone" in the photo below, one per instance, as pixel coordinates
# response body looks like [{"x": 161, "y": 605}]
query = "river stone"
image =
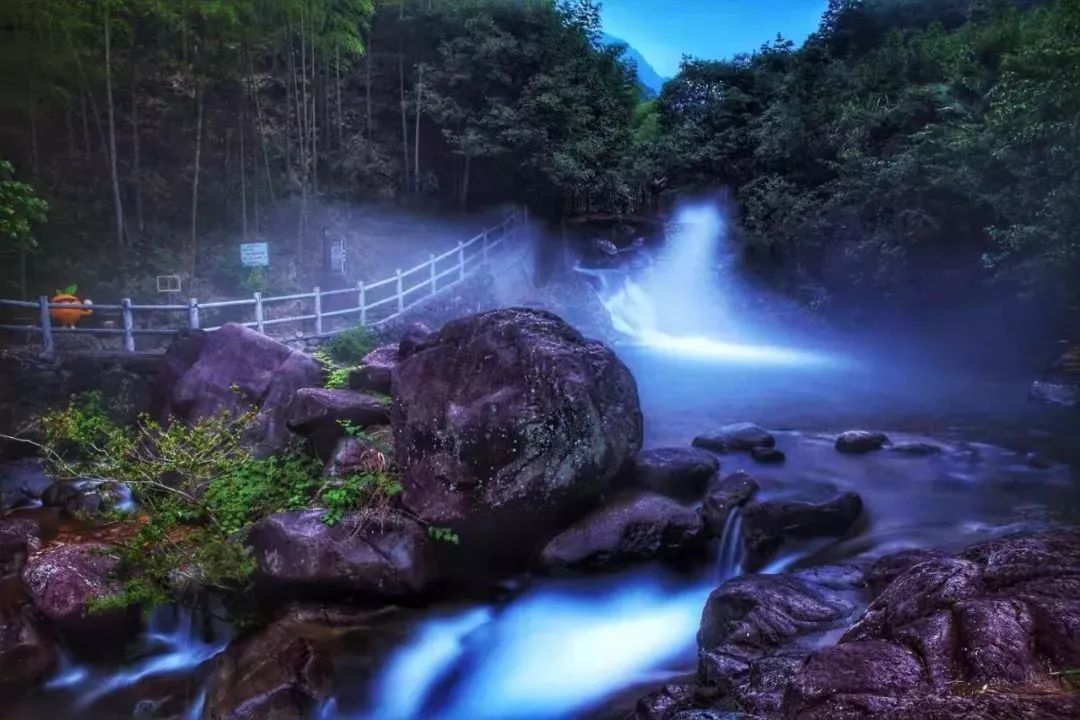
[
  {"x": 857, "y": 442},
  {"x": 729, "y": 493},
  {"x": 27, "y": 657},
  {"x": 359, "y": 456},
  {"x": 509, "y": 425},
  {"x": 742, "y": 436},
  {"x": 318, "y": 414},
  {"x": 60, "y": 582},
  {"x": 768, "y": 525},
  {"x": 234, "y": 370},
  {"x": 680, "y": 472},
  {"x": 915, "y": 449},
  {"x": 634, "y": 527},
  {"x": 767, "y": 455},
  {"x": 376, "y": 559},
  {"x": 979, "y": 635},
  {"x": 413, "y": 340},
  {"x": 373, "y": 374},
  {"x": 280, "y": 673}
]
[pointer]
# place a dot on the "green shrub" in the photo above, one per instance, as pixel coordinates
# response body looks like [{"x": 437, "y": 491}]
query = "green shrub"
[{"x": 350, "y": 346}]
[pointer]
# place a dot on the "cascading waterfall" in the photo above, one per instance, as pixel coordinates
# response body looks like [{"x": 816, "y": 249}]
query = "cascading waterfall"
[
  {"x": 731, "y": 546},
  {"x": 681, "y": 305}
]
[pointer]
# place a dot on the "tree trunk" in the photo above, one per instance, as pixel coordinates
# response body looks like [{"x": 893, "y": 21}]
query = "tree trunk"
[
  {"x": 416, "y": 132},
  {"x": 367, "y": 90},
  {"x": 85, "y": 125},
  {"x": 22, "y": 272},
  {"x": 401, "y": 80},
  {"x": 33, "y": 129},
  {"x": 465, "y": 184},
  {"x": 262, "y": 143},
  {"x": 195, "y": 179},
  {"x": 118, "y": 206},
  {"x": 243, "y": 174},
  {"x": 340, "y": 118},
  {"x": 136, "y": 160}
]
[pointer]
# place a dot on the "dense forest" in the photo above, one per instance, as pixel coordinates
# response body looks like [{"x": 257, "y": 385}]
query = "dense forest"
[{"x": 907, "y": 146}]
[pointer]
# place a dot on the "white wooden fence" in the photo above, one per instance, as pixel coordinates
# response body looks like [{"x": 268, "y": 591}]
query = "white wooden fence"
[{"x": 375, "y": 302}]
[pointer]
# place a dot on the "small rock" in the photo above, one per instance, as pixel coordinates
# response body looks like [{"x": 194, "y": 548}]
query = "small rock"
[
  {"x": 767, "y": 525},
  {"x": 280, "y": 673},
  {"x": 297, "y": 552},
  {"x": 634, "y": 527},
  {"x": 856, "y": 442},
  {"x": 731, "y": 492},
  {"x": 375, "y": 372},
  {"x": 356, "y": 456},
  {"x": 22, "y": 483},
  {"x": 413, "y": 340},
  {"x": 318, "y": 414},
  {"x": 682, "y": 473},
  {"x": 735, "y": 437},
  {"x": 768, "y": 455},
  {"x": 27, "y": 657},
  {"x": 20, "y": 536}
]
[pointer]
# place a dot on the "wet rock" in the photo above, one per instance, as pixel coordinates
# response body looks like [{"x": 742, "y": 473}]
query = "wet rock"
[
  {"x": 979, "y": 635},
  {"x": 234, "y": 370},
  {"x": 413, "y": 340},
  {"x": 82, "y": 498},
  {"x": 890, "y": 567},
  {"x": 634, "y": 527},
  {"x": 318, "y": 414},
  {"x": 22, "y": 483},
  {"x": 375, "y": 371},
  {"x": 857, "y": 442},
  {"x": 359, "y": 456},
  {"x": 730, "y": 492},
  {"x": 27, "y": 657},
  {"x": 756, "y": 616},
  {"x": 280, "y": 673},
  {"x": 681, "y": 473},
  {"x": 20, "y": 536},
  {"x": 768, "y": 525},
  {"x": 767, "y": 455},
  {"x": 375, "y": 559},
  {"x": 664, "y": 703},
  {"x": 61, "y": 580},
  {"x": 509, "y": 425},
  {"x": 736, "y": 437}
]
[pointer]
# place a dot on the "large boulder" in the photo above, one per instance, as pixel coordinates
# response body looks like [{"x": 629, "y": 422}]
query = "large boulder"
[
  {"x": 768, "y": 525},
  {"x": 282, "y": 672},
  {"x": 234, "y": 370},
  {"x": 736, "y": 437},
  {"x": 62, "y": 580},
  {"x": 375, "y": 371},
  {"x": 318, "y": 414},
  {"x": 985, "y": 634},
  {"x": 359, "y": 456},
  {"x": 635, "y": 527},
  {"x": 27, "y": 657},
  {"x": 372, "y": 558},
  {"x": 681, "y": 472},
  {"x": 508, "y": 425},
  {"x": 413, "y": 340}
]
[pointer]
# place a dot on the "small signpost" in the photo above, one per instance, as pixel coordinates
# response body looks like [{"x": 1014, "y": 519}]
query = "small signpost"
[
  {"x": 168, "y": 283},
  {"x": 337, "y": 256},
  {"x": 254, "y": 254}
]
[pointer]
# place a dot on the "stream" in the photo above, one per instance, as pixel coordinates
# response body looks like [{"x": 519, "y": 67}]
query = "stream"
[{"x": 574, "y": 647}]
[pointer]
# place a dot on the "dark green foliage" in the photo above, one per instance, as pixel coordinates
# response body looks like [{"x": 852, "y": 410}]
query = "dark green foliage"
[
  {"x": 350, "y": 346},
  {"x": 20, "y": 210}
]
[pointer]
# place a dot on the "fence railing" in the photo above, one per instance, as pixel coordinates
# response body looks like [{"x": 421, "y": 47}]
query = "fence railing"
[{"x": 320, "y": 310}]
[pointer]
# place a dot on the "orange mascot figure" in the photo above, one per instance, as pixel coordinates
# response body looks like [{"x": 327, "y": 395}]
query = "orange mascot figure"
[{"x": 69, "y": 317}]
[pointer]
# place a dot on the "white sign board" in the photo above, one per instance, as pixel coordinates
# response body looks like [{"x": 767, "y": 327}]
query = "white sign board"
[
  {"x": 337, "y": 257},
  {"x": 254, "y": 254},
  {"x": 168, "y": 283}
]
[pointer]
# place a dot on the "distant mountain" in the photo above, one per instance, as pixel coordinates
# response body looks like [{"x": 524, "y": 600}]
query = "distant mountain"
[{"x": 647, "y": 76}]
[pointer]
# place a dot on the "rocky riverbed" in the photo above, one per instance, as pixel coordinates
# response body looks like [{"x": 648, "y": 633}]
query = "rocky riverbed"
[{"x": 727, "y": 570}]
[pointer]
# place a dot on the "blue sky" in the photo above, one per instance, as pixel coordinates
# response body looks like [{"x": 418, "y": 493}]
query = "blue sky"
[{"x": 664, "y": 30}]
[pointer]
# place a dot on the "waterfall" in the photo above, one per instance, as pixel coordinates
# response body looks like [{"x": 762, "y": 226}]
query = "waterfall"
[
  {"x": 683, "y": 303},
  {"x": 731, "y": 546}
]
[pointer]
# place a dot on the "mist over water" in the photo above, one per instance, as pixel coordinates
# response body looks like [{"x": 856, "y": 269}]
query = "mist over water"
[{"x": 680, "y": 304}]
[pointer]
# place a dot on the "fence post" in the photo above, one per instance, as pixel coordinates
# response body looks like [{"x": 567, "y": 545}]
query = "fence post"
[
  {"x": 129, "y": 324},
  {"x": 259, "y": 313},
  {"x": 400, "y": 296},
  {"x": 318, "y": 311},
  {"x": 193, "y": 314},
  {"x": 432, "y": 263},
  {"x": 363, "y": 302},
  {"x": 46, "y": 325},
  {"x": 461, "y": 261}
]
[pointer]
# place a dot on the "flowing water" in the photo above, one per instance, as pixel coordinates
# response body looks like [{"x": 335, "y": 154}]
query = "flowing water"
[{"x": 570, "y": 647}]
